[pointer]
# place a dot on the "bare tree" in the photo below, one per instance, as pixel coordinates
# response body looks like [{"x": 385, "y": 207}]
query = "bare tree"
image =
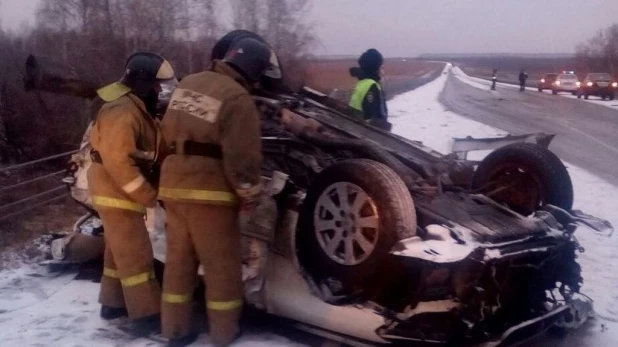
[
  {"x": 600, "y": 52},
  {"x": 284, "y": 26},
  {"x": 91, "y": 40}
]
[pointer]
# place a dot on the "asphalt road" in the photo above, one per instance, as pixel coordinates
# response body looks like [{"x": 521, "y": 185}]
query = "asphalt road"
[{"x": 586, "y": 134}]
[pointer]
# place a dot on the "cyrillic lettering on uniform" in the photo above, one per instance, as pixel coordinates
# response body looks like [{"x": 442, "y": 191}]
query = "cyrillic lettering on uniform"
[{"x": 195, "y": 104}]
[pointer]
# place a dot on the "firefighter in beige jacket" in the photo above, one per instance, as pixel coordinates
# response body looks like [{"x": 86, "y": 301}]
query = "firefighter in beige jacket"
[
  {"x": 213, "y": 128},
  {"x": 126, "y": 144}
]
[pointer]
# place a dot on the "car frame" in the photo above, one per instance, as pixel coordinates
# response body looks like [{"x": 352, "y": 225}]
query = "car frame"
[
  {"x": 598, "y": 84},
  {"x": 565, "y": 82},
  {"x": 369, "y": 238},
  {"x": 546, "y": 81}
]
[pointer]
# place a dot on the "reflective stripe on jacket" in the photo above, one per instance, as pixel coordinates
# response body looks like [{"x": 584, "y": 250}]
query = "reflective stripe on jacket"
[
  {"x": 212, "y": 107},
  {"x": 122, "y": 132}
]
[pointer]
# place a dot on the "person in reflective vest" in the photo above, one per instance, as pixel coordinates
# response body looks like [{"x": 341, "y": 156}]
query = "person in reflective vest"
[
  {"x": 126, "y": 145},
  {"x": 368, "y": 96},
  {"x": 212, "y": 126}
]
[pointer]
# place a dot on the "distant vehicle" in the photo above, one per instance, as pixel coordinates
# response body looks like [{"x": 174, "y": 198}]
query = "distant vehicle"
[
  {"x": 547, "y": 81},
  {"x": 565, "y": 82},
  {"x": 598, "y": 84}
]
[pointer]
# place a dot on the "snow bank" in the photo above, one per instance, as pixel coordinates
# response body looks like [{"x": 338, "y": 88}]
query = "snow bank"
[{"x": 418, "y": 115}]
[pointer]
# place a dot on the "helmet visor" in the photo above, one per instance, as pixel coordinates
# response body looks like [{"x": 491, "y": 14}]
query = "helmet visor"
[
  {"x": 167, "y": 89},
  {"x": 165, "y": 71},
  {"x": 274, "y": 70}
]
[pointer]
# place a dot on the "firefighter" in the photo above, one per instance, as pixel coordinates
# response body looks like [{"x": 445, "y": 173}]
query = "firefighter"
[
  {"x": 126, "y": 144},
  {"x": 494, "y": 79},
  {"x": 368, "y": 96},
  {"x": 213, "y": 128},
  {"x": 523, "y": 76}
]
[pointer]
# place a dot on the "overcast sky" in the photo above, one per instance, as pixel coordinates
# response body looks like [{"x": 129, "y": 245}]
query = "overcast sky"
[{"x": 411, "y": 27}]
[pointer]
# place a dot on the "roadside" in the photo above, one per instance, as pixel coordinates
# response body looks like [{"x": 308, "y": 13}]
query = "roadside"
[
  {"x": 401, "y": 75},
  {"x": 585, "y": 131}
]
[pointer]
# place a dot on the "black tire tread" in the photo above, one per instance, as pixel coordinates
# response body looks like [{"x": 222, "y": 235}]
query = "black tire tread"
[{"x": 553, "y": 173}]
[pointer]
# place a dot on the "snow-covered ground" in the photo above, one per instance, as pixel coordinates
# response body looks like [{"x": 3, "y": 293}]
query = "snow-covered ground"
[
  {"x": 419, "y": 115},
  {"x": 66, "y": 313},
  {"x": 42, "y": 308}
]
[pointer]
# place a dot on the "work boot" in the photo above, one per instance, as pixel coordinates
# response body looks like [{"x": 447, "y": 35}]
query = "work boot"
[
  {"x": 147, "y": 325},
  {"x": 183, "y": 341},
  {"x": 109, "y": 313}
]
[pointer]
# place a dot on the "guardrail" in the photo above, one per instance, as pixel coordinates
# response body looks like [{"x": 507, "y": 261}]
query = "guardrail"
[{"x": 32, "y": 197}]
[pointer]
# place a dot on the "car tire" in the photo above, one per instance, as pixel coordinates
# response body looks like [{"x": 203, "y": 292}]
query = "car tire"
[
  {"x": 540, "y": 89},
  {"x": 388, "y": 213},
  {"x": 586, "y": 96},
  {"x": 611, "y": 97},
  {"x": 540, "y": 175},
  {"x": 554, "y": 92},
  {"x": 603, "y": 97}
]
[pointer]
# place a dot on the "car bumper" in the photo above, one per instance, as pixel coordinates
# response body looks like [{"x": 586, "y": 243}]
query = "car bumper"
[
  {"x": 573, "y": 88},
  {"x": 529, "y": 329},
  {"x": 599, "y": 91}
]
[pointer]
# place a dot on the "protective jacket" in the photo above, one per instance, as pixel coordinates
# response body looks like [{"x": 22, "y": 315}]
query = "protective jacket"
[
  {"x": 213, "y": 128},
  {"x": 126, "y": 140}
]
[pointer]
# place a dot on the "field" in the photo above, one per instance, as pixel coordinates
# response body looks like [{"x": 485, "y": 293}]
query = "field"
[{"x": 401, "y": 75}]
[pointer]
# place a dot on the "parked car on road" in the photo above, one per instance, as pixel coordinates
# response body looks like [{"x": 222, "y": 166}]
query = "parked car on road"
[
  {"x": 565, "y": 82},
  {"x": 598, "y": 84},
  {"x": 547, "y": 81}
]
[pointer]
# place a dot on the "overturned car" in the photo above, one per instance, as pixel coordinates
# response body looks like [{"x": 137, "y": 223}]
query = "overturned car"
[{"x": 371, "y": 238}]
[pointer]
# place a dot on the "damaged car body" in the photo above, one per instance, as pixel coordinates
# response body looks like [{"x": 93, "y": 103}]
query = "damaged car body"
[{"x": 370, "y": 238}]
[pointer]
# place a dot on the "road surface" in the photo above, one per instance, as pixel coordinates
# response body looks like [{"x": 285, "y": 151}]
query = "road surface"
[{"x": 586, "y": 134}]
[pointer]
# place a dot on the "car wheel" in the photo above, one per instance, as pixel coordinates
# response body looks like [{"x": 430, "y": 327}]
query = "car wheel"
[
  {"x": 586, "y": 96},
  {"x": 354, "y": 213},
  {"x": 603, "y": 97},
  {"x": 611, "y": 96},
  {"x": 524, "y": 176},
  {"x": 554, "y": 92},
  {"x": 540, "y": 89}
]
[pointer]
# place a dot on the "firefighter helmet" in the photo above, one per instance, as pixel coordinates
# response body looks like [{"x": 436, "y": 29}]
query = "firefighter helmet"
[{"x": 252, "y": 57}]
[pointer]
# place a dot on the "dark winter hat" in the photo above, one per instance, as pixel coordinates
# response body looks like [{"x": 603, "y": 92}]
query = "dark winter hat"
[{"x": 370, "y": 61}]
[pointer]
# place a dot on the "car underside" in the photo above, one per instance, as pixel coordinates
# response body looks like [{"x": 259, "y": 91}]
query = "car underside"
[{"x": 367, "y": 237}]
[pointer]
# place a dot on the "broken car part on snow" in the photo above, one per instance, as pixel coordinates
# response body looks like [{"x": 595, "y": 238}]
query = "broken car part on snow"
[{"x": 368, "y": 237}]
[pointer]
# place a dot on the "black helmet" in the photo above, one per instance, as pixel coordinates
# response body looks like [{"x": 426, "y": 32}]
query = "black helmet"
[
  {"x": 252, "y": 57},
  {"x": 143, "y": 70},
  {"x": 224, "y": 43}
]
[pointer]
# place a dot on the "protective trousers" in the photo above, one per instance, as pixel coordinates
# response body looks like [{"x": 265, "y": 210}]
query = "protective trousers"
[
  {"x": 208, "y": 235},
  {"x": 128, "y": 277}
]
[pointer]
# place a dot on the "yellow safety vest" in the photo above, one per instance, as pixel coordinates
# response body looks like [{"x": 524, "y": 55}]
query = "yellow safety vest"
[{"x": 360, "y": 92}]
